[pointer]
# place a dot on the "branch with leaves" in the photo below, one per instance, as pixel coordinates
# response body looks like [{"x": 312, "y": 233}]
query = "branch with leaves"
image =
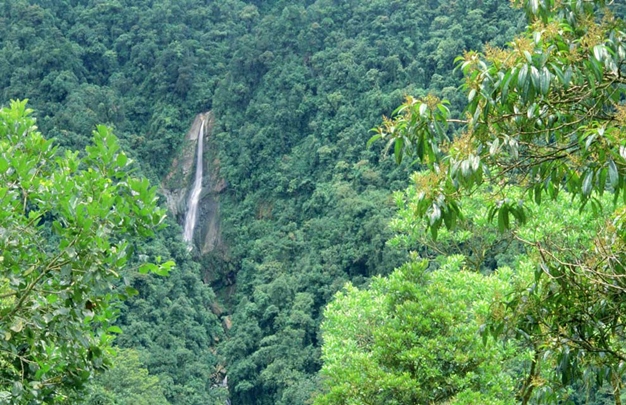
[
  {"x": 64, "y": 231},
  {"x": 545, "y": 114}
]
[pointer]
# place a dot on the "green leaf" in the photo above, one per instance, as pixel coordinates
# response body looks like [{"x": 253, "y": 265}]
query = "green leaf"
[
  {"x": 52, "y": 298},
  {"x": 587, "y": 183},
  {"x": 505, "y": 86},
  {"x": 569, "y": 72},
  {"x": 538, "y": 191},
  {"x": 444, "y": 110},
  {"x": 534, "y": 76},
  {"x": 545, "y": 81},
  {"x": 373, "y": 139},
  {"x": 114, "y": 329},
  {"x": 398, "y": 150},
  {"x": 147, "y": 268},
  {"x": 599, "y": 51},
  {"x": 130, "y": 291},
  {"x": 503, "y": 218},
  {"x": 613, "y": 174},
  {"x": 521, "y": 77},
  {"x": 121, "y": 160},
  {"x": 435, "y": 214},
  {"x": 434, "y": 230}
]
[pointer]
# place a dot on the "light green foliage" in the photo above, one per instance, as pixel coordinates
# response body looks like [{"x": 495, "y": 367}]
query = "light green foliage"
[
  {"x": 64, "y": 231},
  {"x": 126, "y": 382},
  {"x": 349, "y": 345},
  {"x": 484, "y": 250},
  {"x": 483, "y": 246},
  {"x": 545, "y": 113},
  {"x": 295, "y": 87},
  {"x": 413, "y": 337}
]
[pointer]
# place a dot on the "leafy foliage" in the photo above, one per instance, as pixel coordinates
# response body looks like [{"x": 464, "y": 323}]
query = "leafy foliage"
[
  {"x": 307, "y": 208},
  {"x": 172, "y": 322},
  {"x": 127, "y": 382},
  {"x": 65, "y": 226},
  {"x": 413, "y": 338},
  {"x": 545, "y": 113},
  {"x": 479, "y": 247},
  {"x": 294, "y": 88}
]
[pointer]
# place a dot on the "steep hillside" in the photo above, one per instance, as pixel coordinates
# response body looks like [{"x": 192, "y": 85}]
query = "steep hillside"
[
  {"x": 295, "y": 87},
  {"x": 307, "y": 204}
]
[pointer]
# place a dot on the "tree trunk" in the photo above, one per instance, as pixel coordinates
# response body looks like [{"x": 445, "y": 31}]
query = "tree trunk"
[{"x": 529, "y": 386}]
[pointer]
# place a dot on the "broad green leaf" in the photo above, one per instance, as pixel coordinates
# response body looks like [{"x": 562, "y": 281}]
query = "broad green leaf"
[
  {"x": 587, "y": 183},
  {"x": 399, "y": 142},
  {"x": 613, "y": 173},
  {"x": 114, "y": 329}
]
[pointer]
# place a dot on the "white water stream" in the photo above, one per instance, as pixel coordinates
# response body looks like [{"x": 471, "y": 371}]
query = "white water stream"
[{"x": 194, "y": 196}]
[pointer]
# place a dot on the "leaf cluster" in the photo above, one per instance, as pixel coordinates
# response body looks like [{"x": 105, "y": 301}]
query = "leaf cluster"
[
  {"x": 413, "y": 337},
  {"x": 545, "y": 114},
  {"x": 64, "y": 233}
]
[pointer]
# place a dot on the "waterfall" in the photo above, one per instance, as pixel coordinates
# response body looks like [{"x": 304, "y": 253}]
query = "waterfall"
[{"x": 194, "y": 197}]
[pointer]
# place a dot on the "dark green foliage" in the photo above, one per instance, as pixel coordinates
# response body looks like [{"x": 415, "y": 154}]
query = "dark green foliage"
[
  {"x": 307, "y": 206},
  {"x": 295, "y": 88},
  {"x": 172, "y": 321},
  {"x": 144, "y": 68}
]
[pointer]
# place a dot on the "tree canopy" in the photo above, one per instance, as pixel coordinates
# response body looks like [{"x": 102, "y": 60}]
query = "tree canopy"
[
  {"x": 545, "y": 113},
  {"x": 413, "y": 337},
  {"x": 65, "y": 229},
  {"x": 304, "y": 207},
  {"x": 126, "y": 382}
]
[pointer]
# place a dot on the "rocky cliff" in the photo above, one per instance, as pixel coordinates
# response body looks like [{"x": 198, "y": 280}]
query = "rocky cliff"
[{"x": 177, "y": 184}]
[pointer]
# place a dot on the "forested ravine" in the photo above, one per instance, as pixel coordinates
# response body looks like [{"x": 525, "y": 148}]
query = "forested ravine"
[{"x": 293, "y": 204}]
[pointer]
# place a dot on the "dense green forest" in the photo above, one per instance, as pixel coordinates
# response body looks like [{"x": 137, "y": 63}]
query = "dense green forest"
[{"x": 301, "y": 302}]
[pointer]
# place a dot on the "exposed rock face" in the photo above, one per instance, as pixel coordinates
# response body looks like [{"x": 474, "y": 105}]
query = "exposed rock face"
[{"x": 177, "y": 185}]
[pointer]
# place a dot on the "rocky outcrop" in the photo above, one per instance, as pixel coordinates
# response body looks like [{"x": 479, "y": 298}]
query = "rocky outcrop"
[{"x": 178, "y": 182}]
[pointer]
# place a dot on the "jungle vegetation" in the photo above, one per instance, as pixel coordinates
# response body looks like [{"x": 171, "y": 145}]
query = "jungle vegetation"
[{"x": 494, "y": 277}]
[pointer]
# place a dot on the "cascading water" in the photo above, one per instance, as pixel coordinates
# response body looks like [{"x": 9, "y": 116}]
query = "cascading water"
[{"x": 194, "y": 197}]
